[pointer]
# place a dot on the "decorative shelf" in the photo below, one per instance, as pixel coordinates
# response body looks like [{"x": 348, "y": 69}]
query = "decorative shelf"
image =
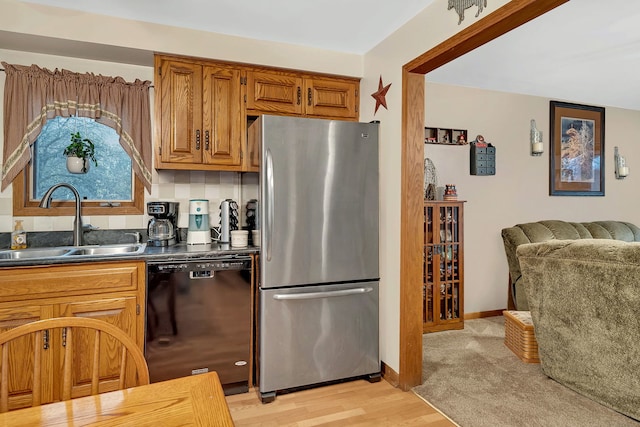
[{"x": 445, "y": 136}]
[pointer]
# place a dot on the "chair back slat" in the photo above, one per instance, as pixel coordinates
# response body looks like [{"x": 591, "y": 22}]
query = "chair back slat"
[
  {"x": 130, "y": 352},
  {"x": 4, "y": 377},
  {"x": 37, "y": 369},
  {"x": 123, "y": 368},
  {"x": 67, "y": 365},
  {"x": 95, "y": 372}
]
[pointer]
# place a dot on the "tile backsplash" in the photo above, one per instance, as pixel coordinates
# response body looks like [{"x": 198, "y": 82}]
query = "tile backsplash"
[{"x": 168, "y": 185}]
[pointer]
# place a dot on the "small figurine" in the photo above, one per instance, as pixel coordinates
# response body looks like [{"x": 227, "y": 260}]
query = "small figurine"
[{"x": 479, "y": 142}]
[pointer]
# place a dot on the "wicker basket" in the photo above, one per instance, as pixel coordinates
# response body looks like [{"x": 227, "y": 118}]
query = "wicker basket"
[{"x": 519, "y": 335}]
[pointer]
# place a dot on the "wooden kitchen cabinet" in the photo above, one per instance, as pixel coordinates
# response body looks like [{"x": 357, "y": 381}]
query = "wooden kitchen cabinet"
[
  {"x": 203, "y": 108},
  {"x": 332, "y": 98},
  {"x": 290, "y": 93},
  {"x": 253, "y": 147},
  {"x": 200, "y": 115},
  {"x": 111, "y": 291},
  {"x": 274, "y": 92},
  {"x": 443, "y": 271}
]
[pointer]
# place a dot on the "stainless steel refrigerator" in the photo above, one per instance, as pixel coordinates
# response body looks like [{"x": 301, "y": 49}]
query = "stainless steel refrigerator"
[{"x": 318, "y": 297}]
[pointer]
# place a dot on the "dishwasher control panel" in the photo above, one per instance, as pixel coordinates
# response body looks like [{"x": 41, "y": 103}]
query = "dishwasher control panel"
[{"x": 206, "y": 265}]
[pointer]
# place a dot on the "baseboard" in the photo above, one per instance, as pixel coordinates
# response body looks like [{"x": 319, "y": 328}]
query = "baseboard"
[
  {"x": 480, "y": 314},
  {"x": 390, "y": 376}
]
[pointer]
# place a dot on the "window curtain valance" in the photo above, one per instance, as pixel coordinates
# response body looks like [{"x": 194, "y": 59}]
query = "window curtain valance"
[{"x": 32, "y": 95}]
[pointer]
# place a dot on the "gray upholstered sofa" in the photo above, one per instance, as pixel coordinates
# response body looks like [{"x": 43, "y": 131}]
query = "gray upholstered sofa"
[
  {"x": 584, "y": 298},
  {"x": 543, "y": 231}
]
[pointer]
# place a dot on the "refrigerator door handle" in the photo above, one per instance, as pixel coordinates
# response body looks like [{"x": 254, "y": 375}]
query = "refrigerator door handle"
[
  {"x": 328, "y": 294},
  {"x": 269, "y": 201}
]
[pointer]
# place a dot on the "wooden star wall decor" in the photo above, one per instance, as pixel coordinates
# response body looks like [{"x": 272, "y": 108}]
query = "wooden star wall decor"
[{"x": 380, "y": 95}]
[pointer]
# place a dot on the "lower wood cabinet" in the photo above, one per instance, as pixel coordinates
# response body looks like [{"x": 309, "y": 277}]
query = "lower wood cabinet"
[{"x": 112, "y": 291}]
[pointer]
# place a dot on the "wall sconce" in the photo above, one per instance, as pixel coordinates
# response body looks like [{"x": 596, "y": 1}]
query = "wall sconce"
[
  {"x": 621, "y": 168},
  {"x": 536, "y": 140}
]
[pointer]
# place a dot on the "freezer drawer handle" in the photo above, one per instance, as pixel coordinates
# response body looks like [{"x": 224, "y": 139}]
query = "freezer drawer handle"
[{"x": 316, "y": 295}]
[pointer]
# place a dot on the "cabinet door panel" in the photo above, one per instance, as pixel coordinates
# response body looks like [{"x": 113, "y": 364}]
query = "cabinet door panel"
[
  {"x": 274, "y": 92},
  {"x": 331, "y": 98},
  {"x": 181, "y": 114},
  {"x": 120, "y": 312},
  {"x": 222, "y": 116},
  {"x": 253, "y": 149},
  {"x": 21, "y": 356}
]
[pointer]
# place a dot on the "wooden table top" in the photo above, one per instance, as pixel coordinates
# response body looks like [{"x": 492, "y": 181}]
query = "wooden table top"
[{"x": 197, "y": 400}]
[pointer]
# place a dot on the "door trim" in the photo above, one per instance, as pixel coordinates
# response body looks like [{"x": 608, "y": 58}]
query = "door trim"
[{"x": 499, "y": 22}]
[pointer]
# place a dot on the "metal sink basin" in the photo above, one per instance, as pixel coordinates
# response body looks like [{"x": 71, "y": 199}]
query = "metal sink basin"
[
  {"x": 72, "y": 252},
  {"x": 34, "y": 253},
  {"x": 126, "y": 249}
]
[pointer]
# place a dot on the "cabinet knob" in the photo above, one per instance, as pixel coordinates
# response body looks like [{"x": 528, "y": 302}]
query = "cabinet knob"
[
  {"x": 206, "y": 140},
  {"x": 309, "y": 96},
  {"x": 299, "y": 95},
  {"x": 197, "y": 139}
]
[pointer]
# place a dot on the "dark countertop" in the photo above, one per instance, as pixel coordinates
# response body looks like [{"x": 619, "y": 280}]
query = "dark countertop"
[
  {"x": 184, "y": 252},
  {"x": 179, "y": 252}
]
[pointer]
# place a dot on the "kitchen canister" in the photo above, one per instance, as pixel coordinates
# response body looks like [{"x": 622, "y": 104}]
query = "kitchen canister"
[
  {"x": 239, "y": 238},
  {"x": 255, "y": 234}
]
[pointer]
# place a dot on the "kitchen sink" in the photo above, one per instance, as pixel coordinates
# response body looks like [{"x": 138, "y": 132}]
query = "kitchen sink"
[
  {"x": 34, "y": 253},
  {"x": 109, "y": 250},
  {"x": 72, "y": 251}
]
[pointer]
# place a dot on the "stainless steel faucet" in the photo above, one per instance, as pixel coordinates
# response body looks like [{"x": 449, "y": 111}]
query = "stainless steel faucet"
[{"x": 77, "y": 222}]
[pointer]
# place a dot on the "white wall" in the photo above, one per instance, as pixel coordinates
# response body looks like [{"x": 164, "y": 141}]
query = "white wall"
[{"x": 519, "y": 191}]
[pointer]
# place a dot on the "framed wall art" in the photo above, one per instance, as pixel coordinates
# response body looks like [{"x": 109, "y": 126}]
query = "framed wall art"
[{"x": 576, "y": 150}]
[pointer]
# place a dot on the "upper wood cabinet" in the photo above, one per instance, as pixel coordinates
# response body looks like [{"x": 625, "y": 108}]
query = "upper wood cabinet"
[
  {"x": 200, "y": 115},
  {"x": 113, "y": 292},
  {"x": 274, "y": 92},
  {"x": 202, "y": 108},
  {"x": 280, "y": 92},
  {"x": 253, "y": 147}
]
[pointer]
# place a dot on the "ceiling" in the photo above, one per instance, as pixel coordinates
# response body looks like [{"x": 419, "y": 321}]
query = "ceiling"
[
  {"x": 352, "y": 26},
  {"x": 585, "y": 51}
]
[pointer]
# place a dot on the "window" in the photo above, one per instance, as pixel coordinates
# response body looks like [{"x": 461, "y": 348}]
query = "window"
[
  {"x": 121, "y": 105},
  {"x": 108, "y": 189},
  {"x": 110, "y": 181}
]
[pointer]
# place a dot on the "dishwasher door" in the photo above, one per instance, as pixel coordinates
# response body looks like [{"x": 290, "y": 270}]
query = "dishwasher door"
[
  {"x": 314, "y": 334},
  {"x": 199, "y": 320}
]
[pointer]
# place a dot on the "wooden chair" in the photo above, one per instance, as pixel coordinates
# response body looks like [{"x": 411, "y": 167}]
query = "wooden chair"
[{"x": 40, "y": 331}]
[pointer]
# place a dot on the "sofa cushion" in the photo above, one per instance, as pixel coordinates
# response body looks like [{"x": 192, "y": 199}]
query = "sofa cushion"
[
  {"x": 584, "y": 298},
  {"x": 542, "y": 231}
]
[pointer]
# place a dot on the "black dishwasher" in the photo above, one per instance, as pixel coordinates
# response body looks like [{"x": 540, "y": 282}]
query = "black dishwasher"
[{"x": 199, "y": 319}]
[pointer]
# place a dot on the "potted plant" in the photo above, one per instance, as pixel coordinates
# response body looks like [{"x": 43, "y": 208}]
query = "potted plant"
[{"x": 79, "y": 152}]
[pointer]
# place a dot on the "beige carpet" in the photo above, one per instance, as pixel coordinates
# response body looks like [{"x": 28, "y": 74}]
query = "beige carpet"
[{"x": 473, "y": 378}]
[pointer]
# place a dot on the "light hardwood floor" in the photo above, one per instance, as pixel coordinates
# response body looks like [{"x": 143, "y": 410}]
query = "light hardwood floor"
[{"x": 354, "y": 403}]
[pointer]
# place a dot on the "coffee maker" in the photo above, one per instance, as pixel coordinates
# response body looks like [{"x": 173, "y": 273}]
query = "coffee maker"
[
  {"x": 162, "y": 229},
  {"x": 199, "y": 231}
]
